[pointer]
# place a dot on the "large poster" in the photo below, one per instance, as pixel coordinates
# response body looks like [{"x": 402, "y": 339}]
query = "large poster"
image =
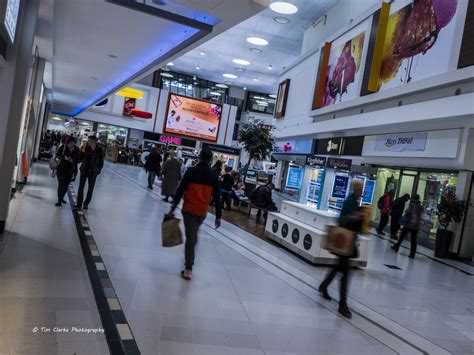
[
  {"x": 294, "y": 177},
  {"x": 344, "y": 66},
  {"x": 418, "y": 41},
  {"x": 193, "y": 118}
]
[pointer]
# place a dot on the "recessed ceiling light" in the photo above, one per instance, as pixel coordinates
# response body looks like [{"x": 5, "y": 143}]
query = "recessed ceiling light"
[
  {"x": 245, "y": 88},
  {"x": 113, "y": 56},
  {"x": 202, "y": 53},
  {"x": 272, "y": 96},
  {"x": 170, "y": 64},
  {"x": 270, "y": 67},
  {"x": 215, "y": 93},
  {"x": 281, "y": 20},
  {"x": 255, "y": 50},
  {"x": 230, "y": 76},
  {"x": 180, "y": 79},
  {"x": 167, "y": 75},
  {"x": 283, "y": 7},
  {"x": 56, "y": 118},
  {"x": 198, "y": 67},
  {"x": 195, "y": 83},
  {"x": 255, "y": 79},
  {"x": 257, "y": 41},
  {"x": 241, "y": 61},
  {"x": 194, "y": 77},
  {"x": 222, "y": 86}
]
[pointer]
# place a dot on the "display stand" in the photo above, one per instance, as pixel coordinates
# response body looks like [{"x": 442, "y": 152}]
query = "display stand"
[{"x": 301, "y": 228}]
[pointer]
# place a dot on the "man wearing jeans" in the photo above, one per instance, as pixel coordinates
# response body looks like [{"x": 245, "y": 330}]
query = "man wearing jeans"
[{"x": 197, "y": 187}]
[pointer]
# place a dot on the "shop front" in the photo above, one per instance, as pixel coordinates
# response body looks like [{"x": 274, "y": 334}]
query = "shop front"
[
  {"x": 229, "y": 156},
  {"x": 419, "y": 150},
  {"x": 165, "y": 140}
]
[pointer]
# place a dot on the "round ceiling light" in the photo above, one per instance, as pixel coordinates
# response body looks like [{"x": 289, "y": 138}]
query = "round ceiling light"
[
  {"x": 255, "y": 50},
  {"x": 170, "y": 64},
  {"x": 255, "y": 79},
  {"x": 215, "y": 93},
  {"x": 56, "y": 118},
  {"x": 230, "y": 76},
  {"x": 281, "y": 20},
  {"x": 257, "y": 41},
  {"x": 167, "y": 75},
  {"x": 223, "y": 86},
  {"x": 283, "y": 7},
  {"x": 202, "y": 53},
  {"x": 241, "y": 61}
]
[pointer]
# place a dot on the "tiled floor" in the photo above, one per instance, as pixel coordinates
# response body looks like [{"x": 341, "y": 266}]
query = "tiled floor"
[{"x": 246, "y": 297}]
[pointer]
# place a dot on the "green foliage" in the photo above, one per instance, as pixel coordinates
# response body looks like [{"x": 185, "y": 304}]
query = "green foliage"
[
  {"x": 450, "y": 209},
  {"x": 258, "y": 141}
]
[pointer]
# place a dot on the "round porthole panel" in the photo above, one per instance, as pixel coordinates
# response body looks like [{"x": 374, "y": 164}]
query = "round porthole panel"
[
  {"x": 307, "y": 242},
  {"x": 295, "y": 236},
  {"x": 275, "y": 225},
  {"x": 284, "y": 230}
]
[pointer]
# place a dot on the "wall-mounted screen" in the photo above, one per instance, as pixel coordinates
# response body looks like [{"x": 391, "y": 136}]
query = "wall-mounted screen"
[
  {"x": 368, "y": 193},
  {"x": 294, "y": 177},
  {"x": 193, "y": 118}
]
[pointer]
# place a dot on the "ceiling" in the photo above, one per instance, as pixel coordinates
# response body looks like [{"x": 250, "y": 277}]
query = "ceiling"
[
  {"x": 98, "y": 46},
  {"x": 285, "y": 41}
]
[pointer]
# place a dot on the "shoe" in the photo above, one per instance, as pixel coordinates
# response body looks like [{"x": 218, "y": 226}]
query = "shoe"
[
  {"x": 411, "y": 256},
  {"x": 381, "y": 233},
  {"x": 151, "y": 187},
  {"x": 394, "y": 248},
  {"x": 85, "y": 207},
  {"x": 344, "y": 310},
  {"x": 187, "y": 274},
  {"x": 324, "y": 293},
  {"x": 58, "y": 204},
  {"x": 63, "y": 201},
  {"x": 166, "y": 199}
]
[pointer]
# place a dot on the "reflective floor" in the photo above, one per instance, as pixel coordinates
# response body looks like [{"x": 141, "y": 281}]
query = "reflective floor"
[{"x": 246, "y": 296}]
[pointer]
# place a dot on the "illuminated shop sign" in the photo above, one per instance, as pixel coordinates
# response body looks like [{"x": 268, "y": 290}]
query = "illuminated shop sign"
[
  {"x": 170, "y": 139},
  {"x": 401, "y": 142}
]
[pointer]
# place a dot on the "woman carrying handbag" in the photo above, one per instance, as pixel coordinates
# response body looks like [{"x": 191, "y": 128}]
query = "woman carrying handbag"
[{"x": 68, "y": 155}]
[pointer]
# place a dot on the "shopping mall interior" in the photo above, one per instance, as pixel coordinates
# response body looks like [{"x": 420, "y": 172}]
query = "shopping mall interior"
[{"x": 236, "y": 177}]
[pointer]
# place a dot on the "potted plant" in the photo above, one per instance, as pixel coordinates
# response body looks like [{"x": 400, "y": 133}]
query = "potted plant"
[{"x": 450, "y": 209}]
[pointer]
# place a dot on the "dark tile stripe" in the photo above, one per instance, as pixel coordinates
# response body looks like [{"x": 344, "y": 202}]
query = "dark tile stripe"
[{"x": 102, "y": 288}]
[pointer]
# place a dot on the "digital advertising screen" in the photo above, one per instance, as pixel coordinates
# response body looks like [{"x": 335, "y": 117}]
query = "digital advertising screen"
[
  {"x": 294, "y": 177},
  {"x": 193, "y": 118},
  {"x": 368, "y": 193},
  {"x": 339, "y": 189}
]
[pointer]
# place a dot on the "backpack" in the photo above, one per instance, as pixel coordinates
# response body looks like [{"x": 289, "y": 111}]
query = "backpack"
[{"x": 380, "y": 202}]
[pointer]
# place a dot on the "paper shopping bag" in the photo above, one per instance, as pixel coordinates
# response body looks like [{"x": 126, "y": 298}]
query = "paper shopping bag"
[
  {"x": 170, "y": 231},
  {"x": 339, "y": 241}
]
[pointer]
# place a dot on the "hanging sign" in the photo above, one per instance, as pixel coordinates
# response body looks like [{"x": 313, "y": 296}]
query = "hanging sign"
[{"x": 401, "y": 142}]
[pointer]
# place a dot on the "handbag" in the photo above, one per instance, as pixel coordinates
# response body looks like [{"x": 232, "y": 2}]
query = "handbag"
[
  {"x": 55, "y": 161},
  {"x": 170, "y": 232},
  {"x": 339, "y": 240}
]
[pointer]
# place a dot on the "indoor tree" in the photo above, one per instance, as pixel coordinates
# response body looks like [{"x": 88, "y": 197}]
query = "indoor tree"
[
  {"x": 257, "y": 140},
  {"x": 450, "y": 209}
]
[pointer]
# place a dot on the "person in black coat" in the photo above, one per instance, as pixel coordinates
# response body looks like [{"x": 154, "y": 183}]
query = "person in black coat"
[
  {"x": 226, "y": 188},
  {"x": 396, "y": 212},
  {"x": 92, "y": 158},
  {"x": 68, "y": 154},
  {"x": 153, "y": 166}
]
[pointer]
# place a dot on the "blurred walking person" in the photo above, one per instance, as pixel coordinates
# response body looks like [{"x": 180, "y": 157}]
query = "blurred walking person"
[
  {"x": 198, "y": 186},
  {"x": 396, "y": 212},
  {"x": 68, "y": 156},
  {"x": 351, "y": 218},
  {"x": 171, "y": 177},
  {"x": 384, "y": 203},
  {"x": 411, "y": 224},
  {"x": 92, "y": 158},
  {"x": 153, "y": 166}
]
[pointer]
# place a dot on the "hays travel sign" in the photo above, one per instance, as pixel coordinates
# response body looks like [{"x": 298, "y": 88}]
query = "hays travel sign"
[{"x": 401, "y": 142}]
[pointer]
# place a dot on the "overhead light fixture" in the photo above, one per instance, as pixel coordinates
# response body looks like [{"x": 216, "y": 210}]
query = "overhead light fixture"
[
  {"x": 85, "y": 124},
  {"x": 230, "y": 76},
  {"x": 245, "y": 88},
  {"x": 241, "y": 61},
  {"x": 202, "y": 53},
  {"x": 195, "y": 83},
  {"x": 170, "y": 64},
  {"x": 198, "y": 67},
  {"x": 270, "y": 67},
  {"x": 215, "y": 93},
  {"x": 282, "y": 20},
  {"x": 194, "y": 77},
  {"x": 167, "y": 75},
  {"x": 180, "y": 79},
  {"x": 283, "y": 7},
  {"x": 255, "y": 79},
  {"x": 131, "y": 93},
  {"x": 255, "y": 50},
  {"x": 257, "y": 41},
  {"x": 223, "y": 86},
  {"x": 56, "y": 118},
  {"x": 273, "y": 96}
]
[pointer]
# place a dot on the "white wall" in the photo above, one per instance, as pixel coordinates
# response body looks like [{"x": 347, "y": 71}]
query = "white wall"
[{"x": 246, "y": 117}]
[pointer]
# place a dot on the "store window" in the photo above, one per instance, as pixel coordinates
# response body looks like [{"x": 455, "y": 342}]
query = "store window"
[
  {"x": 112, "y": 135},
  {"x": 261, "y": 103}
]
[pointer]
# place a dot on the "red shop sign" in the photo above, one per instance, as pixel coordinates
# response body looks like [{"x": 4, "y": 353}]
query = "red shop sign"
[{"x": 170, "y": 140}]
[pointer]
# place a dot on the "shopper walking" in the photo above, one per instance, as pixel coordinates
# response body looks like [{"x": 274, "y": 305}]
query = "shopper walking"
[
  {"x": 199, "y": 184},
  {"x": 153, "y": 166},
  {"x": 396, "y": 212},
  {"x": 171, "y": 177},
  {"x": 226, "y": 188},
  {"x": 68, "y": 155},
  {"x": 384, "y": 204},
  {"x": 351, "y": 218},
  {"x": 92, "y": 158},
  {"x": 411, "y": 224}
]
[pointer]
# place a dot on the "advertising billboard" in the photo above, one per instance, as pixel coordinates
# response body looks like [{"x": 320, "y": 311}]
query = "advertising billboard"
[{"x": 193, "y": 118}]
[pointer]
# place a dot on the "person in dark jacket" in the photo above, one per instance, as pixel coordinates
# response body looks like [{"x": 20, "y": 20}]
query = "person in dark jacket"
[
  {"x": 153, "y": 166},
  {"x": 384, "y": 211},
  {"x": 68, "y": 154},
  {"x": 171, "y": 176},
  {"x": 92, "y": 158},
  {"x": 396, "y": 212},
  {"x": 411, "y": 224},
  {"x": 351, "y": 217},
  {"x": 199, "y": 184},
  {"x": 262, "y": 197},
  {"x": 226, "y": 187}
]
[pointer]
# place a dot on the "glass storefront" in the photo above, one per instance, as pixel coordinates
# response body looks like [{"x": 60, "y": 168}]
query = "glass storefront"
[
  {"x": 429, "y": 185},
  {"x": 112, "y": 135}
]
